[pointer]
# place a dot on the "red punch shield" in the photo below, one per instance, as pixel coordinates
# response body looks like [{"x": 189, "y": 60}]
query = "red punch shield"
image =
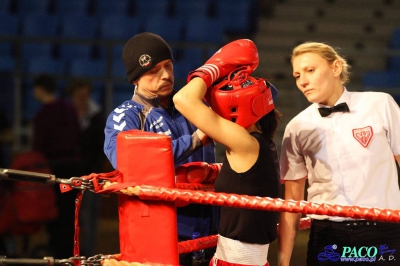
[{"x": 147, "y": 229}]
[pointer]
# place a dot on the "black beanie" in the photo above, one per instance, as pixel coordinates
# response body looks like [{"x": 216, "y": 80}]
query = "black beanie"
[{"x": 142, "y": 52}]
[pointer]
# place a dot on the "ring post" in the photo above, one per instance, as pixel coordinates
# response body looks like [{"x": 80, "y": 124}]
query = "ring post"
[{"x": 147, "y": 229}]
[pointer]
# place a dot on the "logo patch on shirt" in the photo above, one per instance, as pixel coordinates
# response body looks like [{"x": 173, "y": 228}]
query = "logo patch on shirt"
[{"x": 363, "y": 135}]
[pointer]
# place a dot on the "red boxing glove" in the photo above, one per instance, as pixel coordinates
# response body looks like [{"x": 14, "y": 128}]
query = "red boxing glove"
[
  {"x": 197, "y": 172},
  {"x": 213, "y": 172},
  {"x": 237, "y": 53}
]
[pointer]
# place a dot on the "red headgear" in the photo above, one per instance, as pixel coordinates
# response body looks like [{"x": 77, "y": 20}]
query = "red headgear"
[{"x": 241, "y": 98}]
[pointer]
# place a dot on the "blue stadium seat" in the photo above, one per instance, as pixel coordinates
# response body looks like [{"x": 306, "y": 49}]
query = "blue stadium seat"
[
  {"x": 143, "y": 8},
  {"x": 118, "y": 69},
  {"x": 40, "y": 26},
  {"x": 76, "y": 26},
  {"x": 117, "y": 51},
  {"x": 38, "y": 65},
  {"x": 395, "y": 39},
  {"x": 394, "y": 63},
  {"x": 119, "y": 27},
  {"x": 72, "y": 51},
  {"x": 181, "y": 71},
  {"x": 195, "y": 55},
  {"x": 186, "y": 9},
  {"x": 9, "y": 26},
  {"x": 122, "y": 91},
  {"x": 37, "y": 50},
  {"x": 7, "y": 63},
  {"x": 87, "y": 68},
  {"x": 38, "y": 7},
  {"x": 5, "y": 7},
  {"x": 170, "y": 28},
  {"x": 238, "y": 16},
  {"x": 64, "y": 8},
  {"x": 124, "y": 87},
  {"x": 202, "y": 29},
  {"x": 114, "y": 7},
  {"x": 381, "y": 79}
]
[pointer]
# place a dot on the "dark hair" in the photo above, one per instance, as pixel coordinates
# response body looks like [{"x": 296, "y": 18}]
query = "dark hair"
[
  {"x": 47, "y": 82},
  {"x": 269, "y": 123},
  {"x": 76, "y": 84}
]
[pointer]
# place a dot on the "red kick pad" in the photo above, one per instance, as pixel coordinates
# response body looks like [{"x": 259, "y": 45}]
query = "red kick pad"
[{"x": 147, "y": 229}]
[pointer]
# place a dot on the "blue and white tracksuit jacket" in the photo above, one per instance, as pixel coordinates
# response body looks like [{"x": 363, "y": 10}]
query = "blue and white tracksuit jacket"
[{"x": 146, "y": 114}]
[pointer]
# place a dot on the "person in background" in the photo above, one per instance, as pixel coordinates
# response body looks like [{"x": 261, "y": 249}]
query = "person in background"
[
  {"x": 6, "y": 138},
  {"x": 148, "y": 61},
  {"x": 345, "y": 145},
  {"x": 57, "y": 135},
  {"x": 92, "y": 122},
  {"x": 243, "y": 119}
]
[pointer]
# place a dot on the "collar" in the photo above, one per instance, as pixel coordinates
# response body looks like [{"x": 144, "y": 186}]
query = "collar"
[{"x": 146, "y": 101}]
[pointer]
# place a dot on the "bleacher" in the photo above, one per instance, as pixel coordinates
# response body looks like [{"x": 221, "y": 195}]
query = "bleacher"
[
  {"x": 85, "y": 38},
  {"x": 365, "y": 31}
]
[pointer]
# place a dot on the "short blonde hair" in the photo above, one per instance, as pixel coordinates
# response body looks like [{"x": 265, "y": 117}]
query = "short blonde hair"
[{"x": 326, "y": 52}]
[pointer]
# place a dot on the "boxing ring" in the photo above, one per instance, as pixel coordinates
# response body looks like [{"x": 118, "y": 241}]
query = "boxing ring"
[{"x": 149, "y": 193}]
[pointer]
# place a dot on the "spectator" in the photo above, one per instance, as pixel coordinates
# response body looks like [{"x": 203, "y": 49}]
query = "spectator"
[
  {"x": 56, "y": 134},
  {"x": 6, "y": 138},
  {"x": 92, "y": 122}
]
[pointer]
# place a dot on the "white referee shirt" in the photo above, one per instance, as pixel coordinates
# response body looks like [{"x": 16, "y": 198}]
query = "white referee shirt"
[{"x": 348, "y": 157}]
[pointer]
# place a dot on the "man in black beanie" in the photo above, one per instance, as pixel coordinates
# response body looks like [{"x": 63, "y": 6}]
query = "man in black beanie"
[{"x": 149, "y": 67}]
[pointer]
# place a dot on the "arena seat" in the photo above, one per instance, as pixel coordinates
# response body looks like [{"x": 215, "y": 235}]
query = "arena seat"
[
  {"x": 115, "y": 7},
  {"x": 36, "y": 50},
  {"x": 9, "y": 26},
  {"x": 143, "y": 8},
  {"x": 39, "y": 65},
  {"x": 87, "y": 68},
  {"x": 381, "y": 79},
  {"x": 7, "y": 63},
  {"x": 39, "y": 25},
  {"x": 238, "y": 16},
  {"x": 122, "y": 91},
  {"x": 118, "y": 69},
  {"x": 203, "y": 29},
  {"x": 5, "y": 7},
  {"x": 185, "y": 9},
  {"x": 181, "y": 71},
  {"x": 395, "y": 38},
  {"x": 170, "y": 28},
  {"x": 394, "y": 63},
  {"x": 196, "y": 55},
  {"x": 77, "y": 26},
  {"x": 65, "y": 8},
  {"x": 28, "y": 7},
  {"x": 71, "y": 51},
  {"x": 118, "y": 27},
  {"x": 81, "y": 28}
]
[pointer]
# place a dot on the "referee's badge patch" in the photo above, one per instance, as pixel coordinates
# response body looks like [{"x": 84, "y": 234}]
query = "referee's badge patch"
[{"x": 363, "y": 135}]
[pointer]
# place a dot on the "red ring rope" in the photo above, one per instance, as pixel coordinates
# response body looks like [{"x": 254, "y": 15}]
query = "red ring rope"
[{"x": 265, "y": 203}]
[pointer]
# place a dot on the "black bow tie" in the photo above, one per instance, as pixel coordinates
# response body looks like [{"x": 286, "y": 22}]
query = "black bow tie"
[{"x": 341, "y": 107}]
